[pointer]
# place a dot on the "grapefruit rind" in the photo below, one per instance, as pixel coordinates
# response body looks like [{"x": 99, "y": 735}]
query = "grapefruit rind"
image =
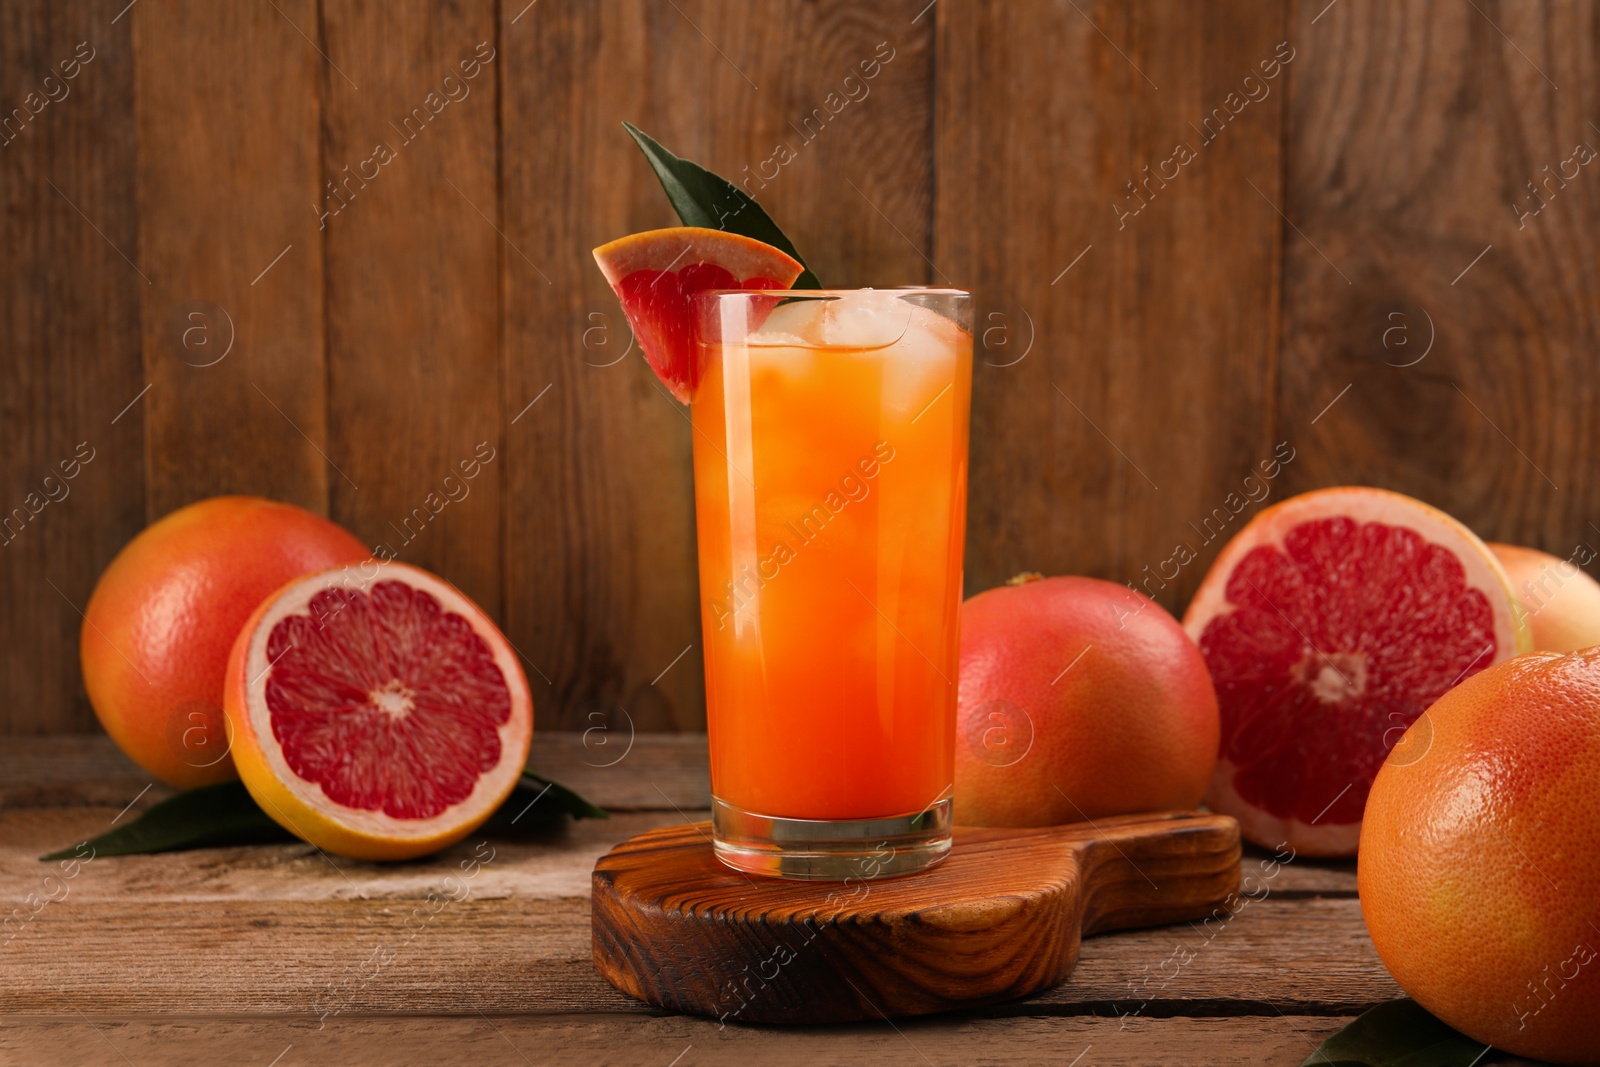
[
  {"x": 673, "y": 247},
  {"x": 1480, "y": 862},
  {"x": 156, "y": 633},
  {"x": 1560, "y": 601},
  {"x": 696, "y": 259},
  {"x": 1483, "y": 572},
  {"x": 301, "y": 806},
  {"x": 1077, "y": 698}
]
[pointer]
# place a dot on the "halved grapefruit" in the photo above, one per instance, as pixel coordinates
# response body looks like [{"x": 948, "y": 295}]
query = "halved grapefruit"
[
  {"x": 377, "y": 715},
  {"x": 1330, "y": 623},
  {"x": 656, "y": 272}
]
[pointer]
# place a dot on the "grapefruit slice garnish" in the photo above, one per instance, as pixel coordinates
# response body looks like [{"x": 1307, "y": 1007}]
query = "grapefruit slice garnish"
[
  {"x": 1330, "y": 623},
  {"x": 377, "y": 716},
  {"x": 655, "y": 273}
]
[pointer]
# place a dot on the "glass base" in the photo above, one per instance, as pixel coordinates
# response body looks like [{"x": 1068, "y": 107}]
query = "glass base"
[{"x": 830, "y": 850}]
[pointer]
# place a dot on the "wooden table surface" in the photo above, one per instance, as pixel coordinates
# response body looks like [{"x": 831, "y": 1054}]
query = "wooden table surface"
[{"x": 278, "y": 955}]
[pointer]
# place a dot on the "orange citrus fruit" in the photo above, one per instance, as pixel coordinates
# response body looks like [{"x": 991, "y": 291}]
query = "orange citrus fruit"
[
  {"x": 655, "y": 273},
  {"x": 159, "y": 624},
  {"x": 1077, "y": 698},
  {"x": 1561, "y": 601},
  {"x": 1479, "y": 870},
  {"x": 376, "y": 712},
  {"x": 1330, "y": 622}
]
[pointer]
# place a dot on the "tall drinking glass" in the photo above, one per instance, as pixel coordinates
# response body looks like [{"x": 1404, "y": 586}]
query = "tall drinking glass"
[{"x": 830, "y": 473}]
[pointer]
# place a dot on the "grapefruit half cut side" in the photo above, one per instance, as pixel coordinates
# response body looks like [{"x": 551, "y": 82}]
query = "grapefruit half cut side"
[
  {"x": 1330, "y": 623},
  {"x": 655, "y": 273},
  {"x": 377, "y": 717}
]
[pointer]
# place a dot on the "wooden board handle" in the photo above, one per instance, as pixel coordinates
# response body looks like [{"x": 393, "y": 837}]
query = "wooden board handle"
[
  {"x": 1151, "y": 870},
  {"x": 1000, "y": 918}
]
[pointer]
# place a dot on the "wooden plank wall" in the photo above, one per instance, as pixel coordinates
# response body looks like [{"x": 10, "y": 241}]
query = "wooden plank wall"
[
  {"x": 1418, "y": 151},
  {"x": 71, "y": 301},
  {"x": 270, "y": 248},
  {"x": 1150, "y": 303}
]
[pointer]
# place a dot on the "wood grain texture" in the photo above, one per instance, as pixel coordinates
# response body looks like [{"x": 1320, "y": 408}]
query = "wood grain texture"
[
  {"x": 600, "y": 562},
  {"x": 543, "y": 865},
  {"x": 514, "y": 1041},
  {"x": 271, "y": 928},
  {"x": 1121, "y": 396},
  {"x": 263, "y": 930},
  {"x": 533, "y": 957},
  {"x": 1495, "y": 421},
  {"x": 69, "y": 331},
  {"x": 999, "y": 919},
  {"x": 228, "y": 125},
  {"x": 413, "y": 267},
  {"x": 242, "y": 951}
]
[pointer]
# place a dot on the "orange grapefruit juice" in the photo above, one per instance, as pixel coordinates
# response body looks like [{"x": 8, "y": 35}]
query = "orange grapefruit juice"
[{"x": 830, "y": 452}]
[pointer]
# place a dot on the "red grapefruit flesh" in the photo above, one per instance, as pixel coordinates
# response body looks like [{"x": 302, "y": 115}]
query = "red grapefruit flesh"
[
  {"x": 378, "y": 715},
  {"x": 1329, "y": 624},
  {"x": 655, "y": 273}
]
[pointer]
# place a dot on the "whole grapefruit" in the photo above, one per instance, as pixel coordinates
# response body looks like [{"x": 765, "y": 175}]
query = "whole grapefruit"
[
  {"x": 1479, "y": 869},
  {"x": 1330, "y": 622},
  {"x": 163, "y": 616},
  {"x": 1561, "y": 601},
  {"x": 376, "y": 712},
  {"x": 1078, "y": 698}
]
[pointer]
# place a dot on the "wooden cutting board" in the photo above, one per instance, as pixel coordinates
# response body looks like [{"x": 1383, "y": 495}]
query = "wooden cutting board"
[{"x": 1002, "y": 917}]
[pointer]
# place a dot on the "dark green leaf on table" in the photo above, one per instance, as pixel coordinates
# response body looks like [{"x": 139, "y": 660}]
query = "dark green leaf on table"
[
  {"x": 212, "y": 816},
  {"x": 1400, "y": 1033},
  {"x": 564, "y": 798},
  {"x": 702, "y": 198},
  {"x": 537, "y": 806},
  {"x": 219, "y": 816}
]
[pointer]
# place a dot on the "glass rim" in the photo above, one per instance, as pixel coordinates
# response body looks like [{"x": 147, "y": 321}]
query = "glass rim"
[{"x": 902, "y": 290}]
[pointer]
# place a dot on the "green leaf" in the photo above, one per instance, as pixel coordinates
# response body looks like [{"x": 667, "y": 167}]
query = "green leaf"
[
  {"x": 702, "y": 198},
  {"x": 209, "y": 817},
  {"x": 1400, "y": 1033},
  {"x": 565, "y": 799},
  {"x": 217, "y": 816},
  {"x": 538, "y": 806}
]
